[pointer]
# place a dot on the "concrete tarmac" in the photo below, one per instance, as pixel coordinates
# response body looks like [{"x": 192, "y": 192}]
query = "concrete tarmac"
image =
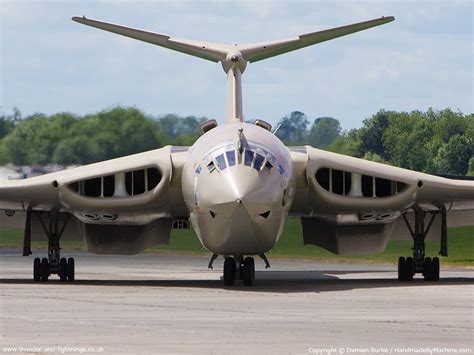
[{"x": 153, "y": 304}]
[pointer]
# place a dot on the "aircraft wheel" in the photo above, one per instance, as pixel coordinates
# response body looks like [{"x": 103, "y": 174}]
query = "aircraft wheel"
[
  {"x": 44, "y": 269},
  {"x": 435, "y": 269},
  {"x": 37, "y": 269},
  {"x": 229, "y": 271},
  {"x": 428, "y": 269},
  {"x": 70, "y": 269},
  {"x": 248, "y": 271},
  {"x": 409, "y": 269},
  {"x": 63, "y": 269},
  {"x": 401, "y": 268}
]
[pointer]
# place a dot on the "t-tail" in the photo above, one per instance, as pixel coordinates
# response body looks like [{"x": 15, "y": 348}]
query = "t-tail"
[{"x": 234, "y": 57}]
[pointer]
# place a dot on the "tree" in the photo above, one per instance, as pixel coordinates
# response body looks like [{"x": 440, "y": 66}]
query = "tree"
[
  {"x": 453, "y": 157},
  {"x": 6, "y": 126},
  {"x": 414, "y": 140},
  {"x": 471, "y": 167},
  {"x": 7, "y": 122},
  {"x": 374, "y": 157},
  {"x": 432, "y": 141},
  {"x": 372, "y": 134},
  {"x": 405, "y": 140},
  {"x": 77, "y": 150},
  {"x": 174, "y": 125},
  {"x": 293, "y": 128},
  {"x": 324, "y": 131},
  {"x": 348, "y": 143},
  {"x": 35, "y": 138}
]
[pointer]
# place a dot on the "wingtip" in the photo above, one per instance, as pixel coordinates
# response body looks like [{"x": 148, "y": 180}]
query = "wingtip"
[{"x": 79, "y": 18}]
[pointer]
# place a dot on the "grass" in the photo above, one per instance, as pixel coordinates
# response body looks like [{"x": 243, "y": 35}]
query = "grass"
[
  {"x": 460, "y": 243},
  {"x": 460, "y": 247}
]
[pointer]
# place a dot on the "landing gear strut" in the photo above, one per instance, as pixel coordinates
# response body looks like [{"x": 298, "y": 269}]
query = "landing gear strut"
[
  {"x": 53, "y": 264},
  {"x": 429, "y": 267},
  {"x": 239, "y": 268}
]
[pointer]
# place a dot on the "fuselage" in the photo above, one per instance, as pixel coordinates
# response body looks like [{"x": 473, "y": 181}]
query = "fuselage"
[{"x": 238, "y": 186}]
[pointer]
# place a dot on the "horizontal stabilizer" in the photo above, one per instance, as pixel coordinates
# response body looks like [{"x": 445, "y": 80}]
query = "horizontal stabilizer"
[
  {"x": 204, "y": 50},
  {"x": 252, "y": 52},
  {"x": 255, "y": 52}
]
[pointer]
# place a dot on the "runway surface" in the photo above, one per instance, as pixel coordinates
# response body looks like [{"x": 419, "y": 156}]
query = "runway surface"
[{"x": 174, "y": 304}]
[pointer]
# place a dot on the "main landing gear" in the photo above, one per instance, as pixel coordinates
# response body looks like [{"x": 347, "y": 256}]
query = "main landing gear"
[
  {"x": 53, "y": 264},
  {"x": 429, "y": 267}
]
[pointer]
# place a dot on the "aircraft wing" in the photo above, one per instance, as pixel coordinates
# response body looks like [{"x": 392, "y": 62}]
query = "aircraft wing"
[
  {"x": 120, "y": 188},
  {"x": 351, "y": 205},
  {"x": 119, "y": 206}
]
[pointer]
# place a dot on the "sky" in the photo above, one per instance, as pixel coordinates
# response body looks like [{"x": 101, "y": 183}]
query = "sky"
[{"x": 423, "y": 59}]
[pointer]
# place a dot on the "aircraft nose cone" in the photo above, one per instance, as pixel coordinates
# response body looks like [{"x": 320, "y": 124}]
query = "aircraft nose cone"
[
  {"x": 234, "y": 186},
  {"x": 240, "y": 210},
  {"x": 233, "y": 229}
]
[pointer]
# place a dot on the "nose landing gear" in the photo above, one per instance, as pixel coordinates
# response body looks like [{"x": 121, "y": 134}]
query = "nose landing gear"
[
  {"x": 229, "y": 271},
  {"x": 240, "y": 269}
]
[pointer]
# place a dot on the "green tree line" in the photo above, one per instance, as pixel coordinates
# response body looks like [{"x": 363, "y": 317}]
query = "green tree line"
[
  {"x": 65, "y": 138},
  {"x": 432, "y": 141}
]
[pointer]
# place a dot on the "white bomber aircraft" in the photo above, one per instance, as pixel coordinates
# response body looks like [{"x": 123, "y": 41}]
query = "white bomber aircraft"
[{"x": 237, "y": 185}]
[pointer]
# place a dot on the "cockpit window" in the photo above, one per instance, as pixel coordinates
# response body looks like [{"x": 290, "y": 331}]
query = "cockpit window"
[
  {"x": 254, "y": 155},
  {"x": 257, "y": 165},
  {"x": 248, "y": 157},
  {"x": 280, "y": 169},
  {"x": 221, "y": 162},
  {"x": 211, "y": 166},
  {"x": 230, "y": 157}
]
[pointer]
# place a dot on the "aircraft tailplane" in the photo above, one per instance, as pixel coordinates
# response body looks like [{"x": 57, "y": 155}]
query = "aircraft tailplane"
[
  {"x": 234, "y": 58},
  {"x": 218, "y": 52},
  {"x": 210, "y": 51},
  {"x": 259, "y": 51}
]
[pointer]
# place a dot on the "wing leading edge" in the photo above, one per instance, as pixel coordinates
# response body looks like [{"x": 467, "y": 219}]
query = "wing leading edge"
[
  {"x": 353, "y": 206},
  {"x": 136, "y": 182}
]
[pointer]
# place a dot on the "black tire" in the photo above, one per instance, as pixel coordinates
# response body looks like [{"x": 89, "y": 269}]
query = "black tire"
[
  {"x": 435, "y": 269},
  {"x": 37, "y": 269},
  {"x": 70, "y": 269},
  {"x": 44, "y": 269},
  {"x": 428, "y": 269},
  {"x": 248, "y": 271},
  {"x": 409, "y": 269},
  {"x": 63, "y": 269},
  {"x": 229, "y": 271},
  {"x": 401, "y": 268}
]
